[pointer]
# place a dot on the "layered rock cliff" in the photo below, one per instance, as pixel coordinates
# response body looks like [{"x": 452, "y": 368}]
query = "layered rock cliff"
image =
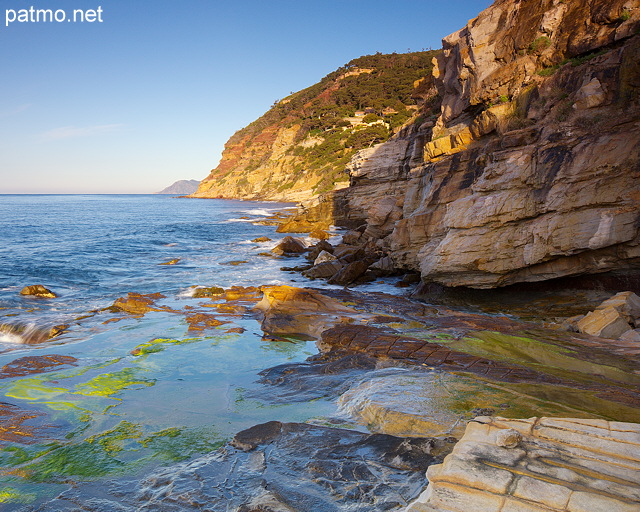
[{"x": 531, "y": 170}]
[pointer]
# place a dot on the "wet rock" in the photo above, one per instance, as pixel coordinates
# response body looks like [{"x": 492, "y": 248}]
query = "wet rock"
[
  {"x": 349, "y": 273},
  {"x": 243, "y": 293},
  {"x": 324, "y": 270},
  {"x": 171, "y": 262},
  {"x": 202, "y": 321},
  {"x": 235, "y": 330},
  {"x": 299, "y": 311},
  {"x": 23, "y": 426},
  {"x": 261, "y": 239},
  {"x": 28, "y": 334},
  {"x": 323, "y": 257},
  {"x": 289, "y": 246},
  {"x": 322, "y": 376},
  {"x": 297, "y": 268},
  {"x": 289, "y": 466},
  {"x": 38, "y": 290},
  {"x": 234, "y": 263},
  {"x": 139, "y": 304},
  {"x": 551, "y": 467},
  {"x": 32, "y": 365},
  {"x": 211, "y": 291}
]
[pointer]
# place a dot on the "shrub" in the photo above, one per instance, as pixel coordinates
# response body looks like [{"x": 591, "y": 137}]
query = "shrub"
[{"x": 539, "y": 44}]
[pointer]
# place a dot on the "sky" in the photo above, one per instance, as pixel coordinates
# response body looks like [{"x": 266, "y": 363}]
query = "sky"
[{"x": 149, "y": 92}]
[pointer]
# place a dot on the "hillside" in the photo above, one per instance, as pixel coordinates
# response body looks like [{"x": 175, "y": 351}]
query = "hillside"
[
  {"x": 182, "y": 187},
  {"x": 300, "y": 147}
]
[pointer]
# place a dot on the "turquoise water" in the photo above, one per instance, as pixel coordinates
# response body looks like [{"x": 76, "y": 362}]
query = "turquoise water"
[{"x": 137, "y": 392}]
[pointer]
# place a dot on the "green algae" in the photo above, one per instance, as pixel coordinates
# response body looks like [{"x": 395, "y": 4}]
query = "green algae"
[
  {"x": 108, "y": 384},
  {"x": 553, "y": 356},
  {"x": 159, "y": 344},
  {"x": 121, "y": 449},
  {"x": 11, "y": 495}
]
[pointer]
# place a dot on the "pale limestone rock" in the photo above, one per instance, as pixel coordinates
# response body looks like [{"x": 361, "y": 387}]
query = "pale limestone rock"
[
  {"x": 590, "y": 95},
  {"x": 569, "y": 465},
  {"x": 323, "y": 257},
  {"x": 605, "y": 322},
  {"x": 509, "y": 438}
]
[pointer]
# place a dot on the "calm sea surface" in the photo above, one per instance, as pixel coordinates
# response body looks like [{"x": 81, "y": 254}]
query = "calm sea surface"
[{"x": 137, "y": 392}]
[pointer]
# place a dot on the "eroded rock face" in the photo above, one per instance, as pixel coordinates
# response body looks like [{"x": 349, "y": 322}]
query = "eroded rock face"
[{"x": 532, "y": 170}]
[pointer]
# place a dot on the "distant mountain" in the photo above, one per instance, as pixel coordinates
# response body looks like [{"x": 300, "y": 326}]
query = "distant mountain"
[{"x": 182, "y": 187}]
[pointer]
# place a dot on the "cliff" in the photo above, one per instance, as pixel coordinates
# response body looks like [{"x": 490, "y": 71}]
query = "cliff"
[
  {"x": 300, "y": 147},
  {"x": 531, "y": 170}
]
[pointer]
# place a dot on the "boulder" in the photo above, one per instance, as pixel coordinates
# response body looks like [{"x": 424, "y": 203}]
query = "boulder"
[
  {"x": 350, "y": 273},
  {"x": 604, "y": 322},
  {"x": 351, "y": 237},
  {"x": 324, "y": 270},
  {"x": 324, "y": 256},
  {"x": 626, "y": 303},
  {"x": 316, "y": 249},
  {"x": 383, "y": 266},
  {"x": 287, "y": 310},
  {"x": 289, "y": 246},
  {"x": 38, "y": 290},
  {"x": 348, "y": 253},
  {"x": 319, "y": 234},
  {"x": 261, "y": 239}
]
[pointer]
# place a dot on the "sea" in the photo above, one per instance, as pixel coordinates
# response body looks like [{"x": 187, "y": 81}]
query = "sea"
[{"x": 115, "y": 394}]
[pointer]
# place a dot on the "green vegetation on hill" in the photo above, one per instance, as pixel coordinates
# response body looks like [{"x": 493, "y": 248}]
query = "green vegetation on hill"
[{"x": 354, "y": 107}]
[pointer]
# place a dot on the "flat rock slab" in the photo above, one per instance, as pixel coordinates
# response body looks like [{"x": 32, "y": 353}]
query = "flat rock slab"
[
  {"x": 538, "y": 464},
  {"x": 277, "y": 467}
]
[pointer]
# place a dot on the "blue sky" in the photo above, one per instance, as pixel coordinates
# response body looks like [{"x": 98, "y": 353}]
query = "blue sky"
[{"x": 150, "y": 95}]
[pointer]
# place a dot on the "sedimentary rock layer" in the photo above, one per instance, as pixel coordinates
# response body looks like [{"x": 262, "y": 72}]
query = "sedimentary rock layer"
[
  {"x": 532, "y": 168},
  {"x": 538, "y": 464}
]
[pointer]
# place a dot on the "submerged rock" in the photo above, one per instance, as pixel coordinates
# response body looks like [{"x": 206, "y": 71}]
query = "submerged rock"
[
  {"x": 38, "y": 290},
  {"x": 300, "y": 311},
  {"x": 286, "y": 466},
  {"x": 139, "y": 304},
  {"x": 211, "y": 291}
]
